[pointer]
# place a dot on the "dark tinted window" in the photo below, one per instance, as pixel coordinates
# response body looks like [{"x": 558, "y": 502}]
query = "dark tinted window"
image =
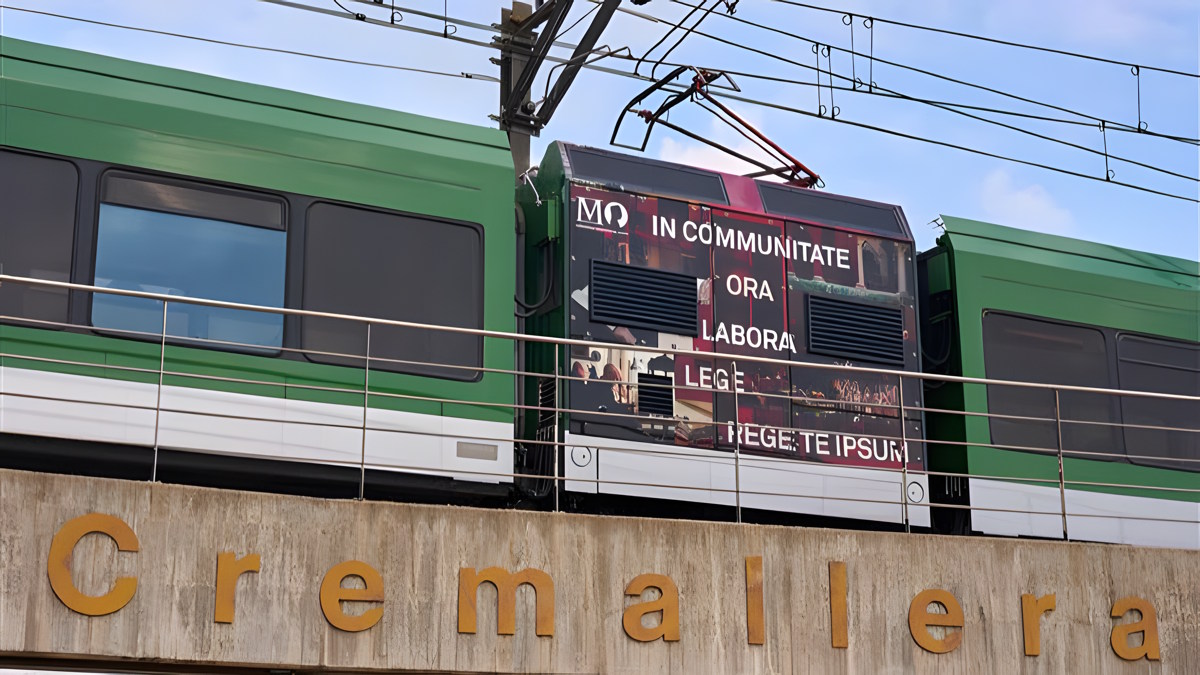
[
  {"x": 37, "y": 230},
  {"x": 642, "y": 175},
  {"x": 400, "y": 267},
  {"x": 829, "y": 210},
  {"x": 188, "y": 199},
  {"x": 1030, "y": 350},
  {"x": 166, "y": 236},
  {"x": 1168, "y": 368}
]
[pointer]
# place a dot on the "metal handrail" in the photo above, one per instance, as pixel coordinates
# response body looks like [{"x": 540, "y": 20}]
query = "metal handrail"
[
  {"x": 629, "y": 416},
  {"x": 789, "y": 466},
  {"x": 579, "y": 411},
  {"x": 572, "y": 342},
  {"x": 775, "y": 462}
]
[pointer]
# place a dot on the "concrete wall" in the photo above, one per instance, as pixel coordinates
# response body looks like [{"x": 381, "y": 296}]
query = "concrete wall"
[{"x": 418, "y": 550}]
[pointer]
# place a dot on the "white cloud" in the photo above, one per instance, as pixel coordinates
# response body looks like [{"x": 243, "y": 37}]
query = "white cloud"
[{"x": 1029, "y": 207}]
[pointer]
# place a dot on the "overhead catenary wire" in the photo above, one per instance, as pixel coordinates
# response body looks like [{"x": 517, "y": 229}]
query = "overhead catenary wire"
[
  {"x": 276, "y": 50},
  {"x": 882, "y": 93},
  {"x": 1078, "y": 174},
  {"x": 1095, "y": 119},
  {"x": 875, "y": 91},
  {"x": 1103, "y": 124},
  {"x": 356, "y": 15},
  {"x": 934, "y": 102},
  {"x": 745, "y": 99},
  {"x": 578, "y": 21},
  {"x": 398, "y": 26},
  {"x": 984, "y": 38},
  {"x": 621, "y": 73},
  {"x": 954, "y": 146},
  {"x": 675, "y": 27},
  {"x": 480, "y": 77},
  {"x": 885, "y": 93}
]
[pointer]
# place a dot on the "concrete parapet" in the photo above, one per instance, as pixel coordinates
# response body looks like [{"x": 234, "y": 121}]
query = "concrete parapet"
[{"x": 734, "y": 613}]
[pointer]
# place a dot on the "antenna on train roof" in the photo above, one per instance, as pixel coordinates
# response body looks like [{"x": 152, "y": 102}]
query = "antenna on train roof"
[{"x": 790, "y": 169}]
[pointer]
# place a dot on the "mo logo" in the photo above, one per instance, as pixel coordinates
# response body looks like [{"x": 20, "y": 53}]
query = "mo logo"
[{"x": 595, "y": 212}]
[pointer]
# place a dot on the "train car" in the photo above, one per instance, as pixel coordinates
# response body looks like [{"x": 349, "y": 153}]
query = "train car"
[
  {"x": 726, "y": 341},
  {"x": 1008, "y": 304},
  {"x": 712, "y": 312},
  {"x": 164, "y": 184}
]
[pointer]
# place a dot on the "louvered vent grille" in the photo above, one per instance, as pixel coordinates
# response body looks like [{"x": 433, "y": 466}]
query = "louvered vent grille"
[
  {"x": 623, "y": 295},
  {"x": 654, "y": 395},
  {"x": 855, "y": 331},
  {"x": 546, "y": 404}
]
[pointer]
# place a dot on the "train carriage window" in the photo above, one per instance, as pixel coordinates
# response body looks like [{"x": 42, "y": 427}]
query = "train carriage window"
[
  {"x": 1167, "y": 368},
  {"x": 392, "y": 266},
  {"x": 181, "y": 238},
  {"x": 37, "y": 231},
  {"x": 1045, "y": 352}
]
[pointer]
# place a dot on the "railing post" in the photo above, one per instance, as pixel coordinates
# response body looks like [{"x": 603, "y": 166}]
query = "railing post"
[
  {"x": 737, "y": 445},
  {"x": 903, "y": 457},
  {"x": 362, "y": 464},
  {"x": 162, "y": 361},
  {"x": 1062, "y": 480},
  {"x": 555, "y": 447}
]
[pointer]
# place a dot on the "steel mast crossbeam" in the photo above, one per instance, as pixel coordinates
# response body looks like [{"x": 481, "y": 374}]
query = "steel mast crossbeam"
[{"x": 524, "y": 52}]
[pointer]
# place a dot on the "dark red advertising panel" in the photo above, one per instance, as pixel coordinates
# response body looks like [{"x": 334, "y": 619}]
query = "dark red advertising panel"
[{"x": 763, "y": 288}]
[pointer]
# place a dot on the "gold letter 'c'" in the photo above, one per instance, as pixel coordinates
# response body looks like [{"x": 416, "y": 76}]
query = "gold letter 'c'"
[{"x": 58, "y": 564}]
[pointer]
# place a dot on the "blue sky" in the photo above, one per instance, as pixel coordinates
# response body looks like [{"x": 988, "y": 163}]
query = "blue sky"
[{"x": 926, "y": 180}]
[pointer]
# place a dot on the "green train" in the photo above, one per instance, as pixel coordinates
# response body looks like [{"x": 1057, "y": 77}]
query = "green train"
[
  {"x": 1007, "y": 304},
  {"x": 292, "y": 289},
  {"x": 132, "y": 177}
]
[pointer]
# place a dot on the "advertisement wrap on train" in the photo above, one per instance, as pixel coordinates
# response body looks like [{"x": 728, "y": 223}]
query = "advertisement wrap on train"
[{"x": 754, "y": 279}]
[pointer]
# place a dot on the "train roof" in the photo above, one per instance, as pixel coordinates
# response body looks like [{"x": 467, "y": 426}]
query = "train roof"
[
  {"x": 655, "y": 177},
  {"x": 998, "y": 240},
  {"x": 42, "y": 86},
  {"x": 1072, "y": 280},
  {"x": 328, "y": 109}
]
